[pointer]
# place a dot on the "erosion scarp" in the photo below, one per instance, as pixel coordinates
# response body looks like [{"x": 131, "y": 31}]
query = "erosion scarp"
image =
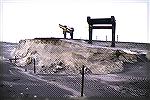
[{"x": 68, "y": 56}]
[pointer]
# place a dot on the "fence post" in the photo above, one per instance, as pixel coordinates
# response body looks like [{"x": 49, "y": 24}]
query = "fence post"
[
  {"x": 106, "y": 38},
  {"x": 96, "y": 37},
  {"x": 25, "y": 70},
  {"x": 15, "y": 59},
  {"x": 117, "y": 38},
  {"x": 82, "y": 84},
  {"x": 34, "y": 65}
]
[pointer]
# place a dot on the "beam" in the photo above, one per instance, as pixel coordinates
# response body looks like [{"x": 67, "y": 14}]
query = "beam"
[
  {"x": 99, "y": 20},
  {"x": 102, "y": 27}
]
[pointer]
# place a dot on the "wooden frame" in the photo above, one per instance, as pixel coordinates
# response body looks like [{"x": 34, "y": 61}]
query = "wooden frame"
[
  {"x": 67, "y": 30},
  {"x": 111, "y": 21}
]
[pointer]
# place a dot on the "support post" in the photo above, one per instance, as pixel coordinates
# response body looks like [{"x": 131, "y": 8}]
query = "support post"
[
  {"x": 64, "y": 34},
  {"x": 113, "y": 31},
  {"x": 90, "y": 30},
  {"x": 64, "y": 31},
  {"x": 90, "y": 34},
  {"x": 106, "y": 38},
  {"x": 82, "y": 84},
  {"x": 34, "y": 65},
  {"x": 71, "y": 33}
]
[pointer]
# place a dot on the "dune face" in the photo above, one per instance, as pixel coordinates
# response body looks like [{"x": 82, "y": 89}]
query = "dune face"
[{"x": 68, "y": 56}]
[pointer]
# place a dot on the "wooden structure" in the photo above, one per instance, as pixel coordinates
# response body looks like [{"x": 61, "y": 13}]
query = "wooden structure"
[
  {"x": 67, "y": 30},
  {"x": 92, "y": 25}
]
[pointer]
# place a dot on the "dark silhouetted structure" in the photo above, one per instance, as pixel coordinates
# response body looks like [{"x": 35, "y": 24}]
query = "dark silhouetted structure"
[
  {"x": 103, "y": 21},
  {"x": 67, "y": 30}
]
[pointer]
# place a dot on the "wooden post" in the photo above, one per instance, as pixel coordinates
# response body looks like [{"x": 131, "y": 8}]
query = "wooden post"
[
  {"x": 96, "y": 37},
  {"x": 34, "y": 65},
  {"x": 90, "y": 30},
  {"x": 90, "y": 34},
  {"x": 71, "y": 33},
  {"x": 64, "y": 32},
  {"x": 82, "y": 84},
  {"x": 117, "y": 38},
  {"x": 113, "y": 31},
  {"x": 15, "y": 59}
]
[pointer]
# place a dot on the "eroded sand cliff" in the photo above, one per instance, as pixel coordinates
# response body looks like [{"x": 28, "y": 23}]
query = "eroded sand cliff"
[{"x": 68, "y": 56}]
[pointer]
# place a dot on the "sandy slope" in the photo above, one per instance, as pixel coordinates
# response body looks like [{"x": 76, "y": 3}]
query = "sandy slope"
[{"x": 68, "y": 56}]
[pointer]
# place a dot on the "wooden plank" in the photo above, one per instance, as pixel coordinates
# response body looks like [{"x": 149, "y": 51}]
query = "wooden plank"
[
  {"x": 100, "y": 21},
  {"x": 102, "y": 27}
]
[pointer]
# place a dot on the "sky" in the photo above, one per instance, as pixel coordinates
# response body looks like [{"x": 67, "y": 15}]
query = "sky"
[{"x": 27, "y": 19}]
